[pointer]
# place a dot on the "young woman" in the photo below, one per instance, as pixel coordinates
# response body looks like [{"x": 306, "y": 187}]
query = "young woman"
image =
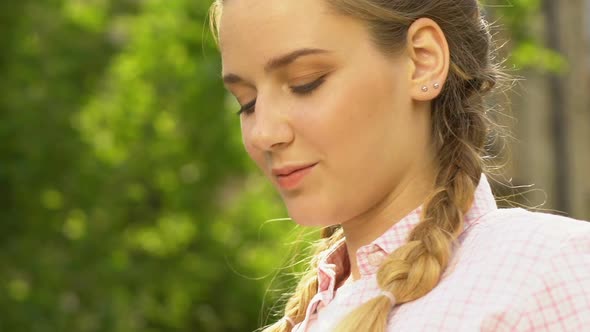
[{"x": 367, "y": 116}]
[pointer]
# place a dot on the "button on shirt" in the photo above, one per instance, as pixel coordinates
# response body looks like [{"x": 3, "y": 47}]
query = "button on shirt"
[{"x": 511, "y": 270}]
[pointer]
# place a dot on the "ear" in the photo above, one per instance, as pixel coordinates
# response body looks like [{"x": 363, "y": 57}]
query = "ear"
[{"x": 429, "y": 54}]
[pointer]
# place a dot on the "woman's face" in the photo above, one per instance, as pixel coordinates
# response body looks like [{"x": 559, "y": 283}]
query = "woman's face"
[{"x": 316, "y": 91}]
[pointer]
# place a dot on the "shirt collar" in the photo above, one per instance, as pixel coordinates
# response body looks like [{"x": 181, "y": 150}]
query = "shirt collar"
[{"x": 334, "y": 262}]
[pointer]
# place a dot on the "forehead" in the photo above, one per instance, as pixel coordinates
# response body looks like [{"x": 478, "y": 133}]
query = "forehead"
[{"x": 253, "y": 31}]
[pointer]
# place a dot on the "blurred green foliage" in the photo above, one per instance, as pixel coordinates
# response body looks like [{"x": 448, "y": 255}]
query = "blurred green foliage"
[
  {"x": 520, "y": 20},
  {"x": 128, "y": 201}
]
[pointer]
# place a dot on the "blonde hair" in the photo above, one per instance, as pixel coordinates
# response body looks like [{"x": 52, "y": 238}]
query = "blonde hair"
[{"x": 460, "y": 129}]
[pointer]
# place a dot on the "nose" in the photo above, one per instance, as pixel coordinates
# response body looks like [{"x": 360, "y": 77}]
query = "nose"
[{"x": 271, "y": 128}]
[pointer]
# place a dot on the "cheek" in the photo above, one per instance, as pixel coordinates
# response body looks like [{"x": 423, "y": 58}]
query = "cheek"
[
  {"x": 352, "y": 114},
  {"x": 331, "y": 116},
  {"x": 358, "y": 131}
]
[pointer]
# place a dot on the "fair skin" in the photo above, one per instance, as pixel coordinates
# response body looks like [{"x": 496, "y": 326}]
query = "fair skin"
[{"x": 364, "y": 122}]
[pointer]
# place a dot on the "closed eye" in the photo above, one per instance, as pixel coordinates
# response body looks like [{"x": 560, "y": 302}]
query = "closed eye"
[
  {"x": 247, "y": 108},
  {"x": 308, "y": 88},
  {"x": 303, "y": 90}
]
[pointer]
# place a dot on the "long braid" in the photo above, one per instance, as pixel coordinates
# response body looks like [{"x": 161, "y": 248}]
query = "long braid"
[
  {"x": 460, "y": 129},
  {"x": 307, "y": 287},
  {"x": 414, "y": 269}
]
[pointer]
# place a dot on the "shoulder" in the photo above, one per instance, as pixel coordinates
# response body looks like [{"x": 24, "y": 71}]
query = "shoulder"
[
  {"x": 522, "y": 230},
  {"x": 556, "y": 253},
  {"x": 517, "y": 241},
  {"x": 518, "y": 218},
  {"x": 512, "y": 270}
]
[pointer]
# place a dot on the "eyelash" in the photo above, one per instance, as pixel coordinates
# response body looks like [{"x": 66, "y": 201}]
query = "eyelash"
[{"x": 302, "y": 90}]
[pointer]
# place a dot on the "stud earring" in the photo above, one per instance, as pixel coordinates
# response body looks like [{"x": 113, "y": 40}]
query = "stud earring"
[
  {"x": 436, "y": 86},
  {"x": 424, "y": 88}
]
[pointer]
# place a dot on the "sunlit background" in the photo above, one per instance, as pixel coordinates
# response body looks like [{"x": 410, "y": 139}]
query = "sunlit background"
[{"x": 128, "y": 203}]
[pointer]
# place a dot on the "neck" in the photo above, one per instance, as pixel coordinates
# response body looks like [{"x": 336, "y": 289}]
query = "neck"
[{"x": 407, "y": 195}]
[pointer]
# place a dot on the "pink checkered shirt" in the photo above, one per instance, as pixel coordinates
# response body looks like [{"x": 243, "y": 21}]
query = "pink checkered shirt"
[{"x": 512, "y": 270}]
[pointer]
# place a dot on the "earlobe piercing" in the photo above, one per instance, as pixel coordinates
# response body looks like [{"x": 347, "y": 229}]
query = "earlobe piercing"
[
  {"x": 436, "y": 86},
  {"x": 424, "y": 88}
]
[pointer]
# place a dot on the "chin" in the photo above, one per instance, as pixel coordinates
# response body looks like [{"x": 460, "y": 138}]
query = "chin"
[{"x": 312, "y": 218}]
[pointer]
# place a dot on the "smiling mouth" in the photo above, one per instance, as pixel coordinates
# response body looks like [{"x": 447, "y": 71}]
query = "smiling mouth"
[{"x": 294, "y": 179}]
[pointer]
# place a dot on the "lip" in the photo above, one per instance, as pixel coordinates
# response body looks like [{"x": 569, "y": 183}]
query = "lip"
[{"x": 291, "y": 176}]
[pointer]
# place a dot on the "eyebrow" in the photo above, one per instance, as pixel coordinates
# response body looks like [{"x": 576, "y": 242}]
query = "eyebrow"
[{"x": 278, "y": 62}]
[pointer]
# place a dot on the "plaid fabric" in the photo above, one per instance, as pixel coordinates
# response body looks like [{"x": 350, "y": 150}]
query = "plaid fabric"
[{"x": 512, "y": 270}]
